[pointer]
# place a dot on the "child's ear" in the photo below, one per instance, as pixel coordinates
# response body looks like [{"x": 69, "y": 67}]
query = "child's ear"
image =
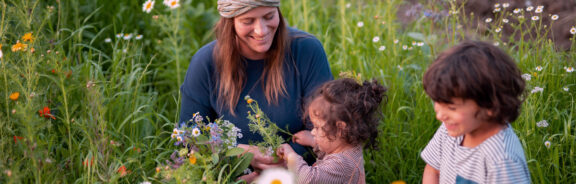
[{"x": 341, "y": 125}]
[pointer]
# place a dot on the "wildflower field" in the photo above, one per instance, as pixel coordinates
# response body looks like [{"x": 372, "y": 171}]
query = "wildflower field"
[{"x": 89, "y": 90}]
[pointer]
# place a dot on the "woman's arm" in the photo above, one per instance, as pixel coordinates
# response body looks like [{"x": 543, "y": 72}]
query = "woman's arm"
[{"x": 431, "y": 175}]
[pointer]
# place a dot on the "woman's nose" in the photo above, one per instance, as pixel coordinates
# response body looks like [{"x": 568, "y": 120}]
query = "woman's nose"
[{"x": 260, "y": 28}]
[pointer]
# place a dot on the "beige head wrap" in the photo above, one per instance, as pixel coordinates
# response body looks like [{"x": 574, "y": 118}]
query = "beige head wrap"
[{"x": 232, "y": 8}]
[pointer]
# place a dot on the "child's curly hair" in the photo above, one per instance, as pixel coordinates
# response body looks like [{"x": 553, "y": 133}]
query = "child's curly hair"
[{"x": 357, "y": 105}]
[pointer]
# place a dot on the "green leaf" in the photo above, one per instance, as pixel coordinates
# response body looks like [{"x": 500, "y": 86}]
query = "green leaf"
[
  {"x": 234, "y": 152},
  {"x": 242, "y": 164},
  {"x": 215, "y": 158},
  {"x": 417, "y": 36}
]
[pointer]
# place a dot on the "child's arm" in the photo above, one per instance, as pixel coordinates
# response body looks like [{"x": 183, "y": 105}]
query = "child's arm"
[
  {"x": 304, "y": 138},
  {"x": 431, "y": 175},
  {"x": 333, "y": 169}
]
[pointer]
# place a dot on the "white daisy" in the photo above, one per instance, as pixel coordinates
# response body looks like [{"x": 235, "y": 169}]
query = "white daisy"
[
  {"x": 348, "y": 5},
  {"x": 396, "y": 41},
  {"x": 127, "y": 36},
  {"x": 139, "y": 37},
  {"x": 404, "y": 47},
  {"x": 360, "y": 24},
  {"x": 554, "y": 17},
  {"x": 529, "y": 8},
  {"x": 496, "y": 44},
  {"x": 505, "y": 5},
  {"x": 569, "y": 69},
  {"x": 539, "y": 68},
  {"x": 276, "y": 175},
  {"x": 505, "y": 20},
  {"x": 497, "y": 10},
  {"x": 517, "y": 10},
  {"x": 566, "y": 89},
  {"x": 196, "y": 132},
  {"x": 107, "y": 40},
  {"x": 375, "y": 39},
  {"x": 547, "y": 144},
  {"x": 573, "y": 30},
  {"x": 173, "y": 4},
  {"x": 497, "y": 5},
  {"x": 420, "y": 44},
  {"x": 382, "y": 48},
  {"x": 147, "y": 6},
  {"x": 488, "y": 20},
  {"x": 535, "y": 18},
  {"x": 498, "y": 30},
  {"x": 119, "y": 35}
]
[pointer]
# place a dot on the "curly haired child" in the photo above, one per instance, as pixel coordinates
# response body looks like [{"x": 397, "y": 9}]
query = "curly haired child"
[
  {"x": 476, "y": 89},
  {"x": 345, "y": 117}
]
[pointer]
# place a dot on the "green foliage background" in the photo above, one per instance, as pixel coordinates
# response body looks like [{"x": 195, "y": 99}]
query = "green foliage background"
[{"x": 115, "y": 103}]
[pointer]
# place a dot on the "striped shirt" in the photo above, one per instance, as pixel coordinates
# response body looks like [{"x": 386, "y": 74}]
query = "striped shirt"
[
  {"x": 343, "y": 167},
  {"x": 499, "y": 159}
]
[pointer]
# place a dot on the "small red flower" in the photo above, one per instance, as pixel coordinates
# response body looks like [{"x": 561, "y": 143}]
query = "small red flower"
[
  {"x": 45, "y": 112},
  {"x": 53, "y": 71},
  {"x": 123, "y": 171},
  {"x": 16, "y": 138}
]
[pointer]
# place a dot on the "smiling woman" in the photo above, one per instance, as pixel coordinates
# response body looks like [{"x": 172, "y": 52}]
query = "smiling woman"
[{"x": 255, "y": 54}]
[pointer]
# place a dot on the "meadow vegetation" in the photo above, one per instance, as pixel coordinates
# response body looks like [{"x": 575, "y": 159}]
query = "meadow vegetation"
[{"x": 90, "y": 89}]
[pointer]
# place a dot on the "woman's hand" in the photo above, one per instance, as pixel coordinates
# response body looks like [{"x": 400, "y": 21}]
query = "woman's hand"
[
  {"x": 304, "y": 138},
  {"x": 261, "y": 161}
]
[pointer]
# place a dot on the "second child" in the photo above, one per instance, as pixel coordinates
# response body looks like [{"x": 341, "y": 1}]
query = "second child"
[{"x": 476, "y": 90}]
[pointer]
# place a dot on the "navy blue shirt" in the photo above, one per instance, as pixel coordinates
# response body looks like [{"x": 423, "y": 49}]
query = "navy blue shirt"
[{"x": 305, "y": 68}]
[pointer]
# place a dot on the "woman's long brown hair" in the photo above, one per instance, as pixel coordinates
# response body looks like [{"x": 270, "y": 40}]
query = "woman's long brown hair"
[{"x": 231, "y": 74}]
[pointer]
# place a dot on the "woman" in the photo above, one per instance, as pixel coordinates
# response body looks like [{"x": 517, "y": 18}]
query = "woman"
[{"x": 255, "y": 54}]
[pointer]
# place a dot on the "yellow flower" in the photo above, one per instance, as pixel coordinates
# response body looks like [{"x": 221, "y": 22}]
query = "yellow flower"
[
  {"x": 14, "y": 96},
  {"x": 192, "y": 159},
  {"x": 249, "y": 101},
  {"x": 28, "y": 37},
  {"x": 399, "y": 182},
  {"x": 19, "y": 46}
]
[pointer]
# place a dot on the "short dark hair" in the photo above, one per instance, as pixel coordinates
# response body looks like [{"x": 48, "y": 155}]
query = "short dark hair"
[
  {"x": 479, "y": 71},
  {"x": 356, "y": 104}
]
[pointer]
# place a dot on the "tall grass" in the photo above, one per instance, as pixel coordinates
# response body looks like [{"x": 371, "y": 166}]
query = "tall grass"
[{"x": 115, "y": 103}]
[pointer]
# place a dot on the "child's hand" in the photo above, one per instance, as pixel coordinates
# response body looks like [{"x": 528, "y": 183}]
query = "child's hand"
[
  {"x": 286, "y": 152},
  {"x": 304, "y": 138}
]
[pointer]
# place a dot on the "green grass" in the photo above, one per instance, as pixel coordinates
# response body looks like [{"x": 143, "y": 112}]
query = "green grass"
[{"x": 125, "y": 118}]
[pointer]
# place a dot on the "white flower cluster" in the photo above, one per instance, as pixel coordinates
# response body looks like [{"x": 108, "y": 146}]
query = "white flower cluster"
[{"x": 542, "y": 123}]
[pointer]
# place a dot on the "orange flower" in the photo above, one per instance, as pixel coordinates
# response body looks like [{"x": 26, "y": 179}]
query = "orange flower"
[
  {"x": 192, "y": 159},
  {"x": 399, "y": 182},
  {"x": 16, "y": 138},
  {"x": 123, "y": 171},
  {"x": 87, "y": 162},
  {"x": 14, "y": 96},
  {"x": 45, "y": 112},
  {"x": 19, "y": 46},
  {"x": 249, "y": 101},
  {"x": 28, "y": 37}
]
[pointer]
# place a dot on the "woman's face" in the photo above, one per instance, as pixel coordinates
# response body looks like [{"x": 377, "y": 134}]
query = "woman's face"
[{"x": 255, "y": 31}]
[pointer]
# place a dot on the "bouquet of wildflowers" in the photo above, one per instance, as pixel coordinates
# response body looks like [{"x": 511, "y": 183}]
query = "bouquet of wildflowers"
[
  {"x": 208, "y": 153},
  {"x": 262, "y": 125}
]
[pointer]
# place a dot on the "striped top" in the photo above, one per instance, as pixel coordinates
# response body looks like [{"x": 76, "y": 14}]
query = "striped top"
[
  {"x": 499, "y": 159},
  {"x": 343, "y": 167}
]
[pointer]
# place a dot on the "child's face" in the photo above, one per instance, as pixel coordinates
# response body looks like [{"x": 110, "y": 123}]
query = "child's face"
[
  {"x": 460, "y": 117},
  {"x": 320, "y": 136}
]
